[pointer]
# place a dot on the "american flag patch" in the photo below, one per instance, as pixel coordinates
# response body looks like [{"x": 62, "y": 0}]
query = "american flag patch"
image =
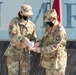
[{"x": 11, "y": 23}]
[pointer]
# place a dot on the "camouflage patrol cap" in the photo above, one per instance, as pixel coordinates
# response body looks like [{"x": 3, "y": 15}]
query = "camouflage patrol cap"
[
  {"x": 50, "y": 15},
  {"x": 26, "y": 9}
]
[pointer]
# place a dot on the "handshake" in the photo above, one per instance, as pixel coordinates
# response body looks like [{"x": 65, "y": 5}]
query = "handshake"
[{"x": 26, "y": 43}]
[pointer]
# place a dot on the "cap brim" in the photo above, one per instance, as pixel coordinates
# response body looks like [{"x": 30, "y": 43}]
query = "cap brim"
[
  {"x": 48, "y": 20},
  {"x": 29, "y": 13}
]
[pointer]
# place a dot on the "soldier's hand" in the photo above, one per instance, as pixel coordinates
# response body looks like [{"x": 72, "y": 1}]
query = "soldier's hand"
[
  {"x": 32, "y": 49},
  {"x": 37, "y": 44},
  {"x": 24, "y": 44}
]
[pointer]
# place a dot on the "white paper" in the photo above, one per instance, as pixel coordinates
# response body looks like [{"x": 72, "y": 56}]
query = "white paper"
[{"x": 31, "y": 43}]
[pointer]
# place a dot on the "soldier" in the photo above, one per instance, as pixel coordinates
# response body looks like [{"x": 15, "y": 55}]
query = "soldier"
[
  {"x": 18, "y": 58},
  {"x": 53, "y": 46}
]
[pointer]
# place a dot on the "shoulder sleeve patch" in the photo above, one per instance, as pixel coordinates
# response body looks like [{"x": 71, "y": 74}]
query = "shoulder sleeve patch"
[{"x": 11, "y": 23}]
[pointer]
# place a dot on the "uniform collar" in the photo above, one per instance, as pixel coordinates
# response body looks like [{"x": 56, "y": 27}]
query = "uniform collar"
[{"x": 27, "y": 24}]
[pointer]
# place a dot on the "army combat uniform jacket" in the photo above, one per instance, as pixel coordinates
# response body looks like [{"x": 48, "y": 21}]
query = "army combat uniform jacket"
[
  {"x": 15, "y": 53},
  {"x": 17, "y": 31},
  {"x": 53, "y": 50}
]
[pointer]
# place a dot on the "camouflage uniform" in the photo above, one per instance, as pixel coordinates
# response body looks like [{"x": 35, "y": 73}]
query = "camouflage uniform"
[
  {"x": 18, "y": 59},
  {"x": 53, "y": 50}
]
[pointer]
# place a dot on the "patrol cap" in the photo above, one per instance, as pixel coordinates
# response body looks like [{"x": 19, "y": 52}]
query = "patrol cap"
[
  {"x": 50, "y": 15},
  {"x": 27, "y": 10}
]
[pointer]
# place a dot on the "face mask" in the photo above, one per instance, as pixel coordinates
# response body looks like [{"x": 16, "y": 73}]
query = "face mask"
[
  {"x": 50, "y": 24},
  {"x": 25, "y": 17}
]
